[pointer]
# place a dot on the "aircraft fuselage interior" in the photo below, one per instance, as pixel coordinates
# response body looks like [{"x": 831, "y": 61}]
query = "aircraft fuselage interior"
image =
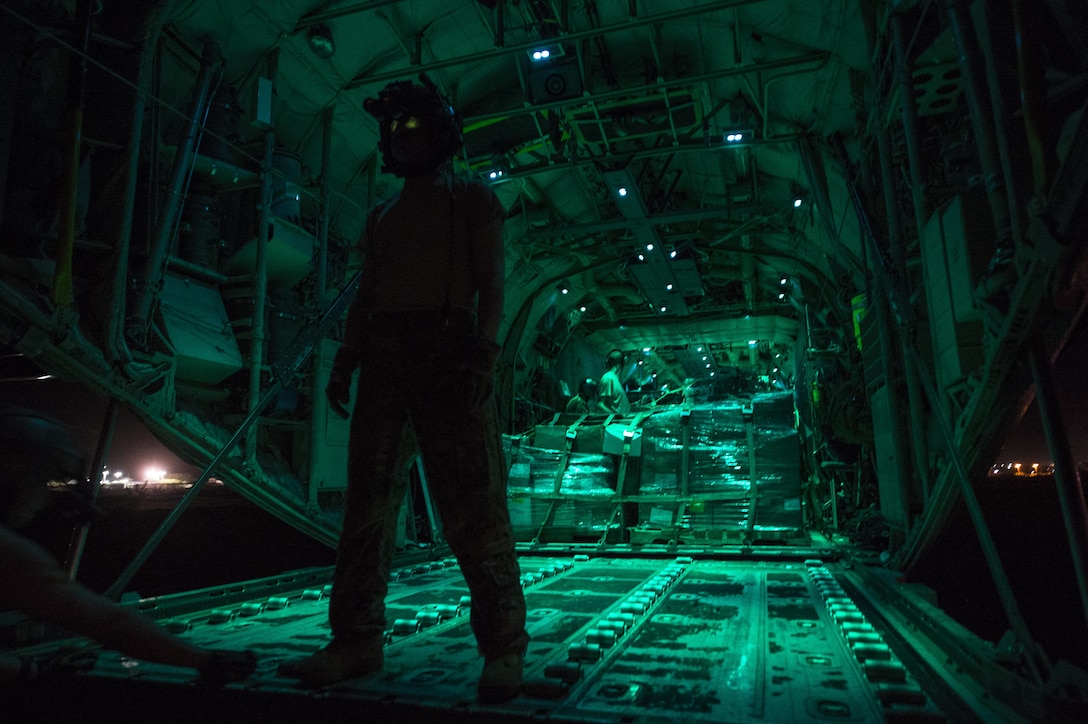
[{"x": 839, "y": 245}]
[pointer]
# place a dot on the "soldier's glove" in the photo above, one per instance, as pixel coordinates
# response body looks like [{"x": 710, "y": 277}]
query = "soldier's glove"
[
  {"x": 338, "y": 390},
  {"x": 478, "y": 372},
  {"x": 224, "y": 667},
  {"x": 64, "y": 662}
]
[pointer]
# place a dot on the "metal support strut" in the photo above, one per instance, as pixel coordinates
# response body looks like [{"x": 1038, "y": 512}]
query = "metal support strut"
[
  {"x": 1036, "y": 661},
  {"x": 284, "y": 370},
  {"x": 1070, "y": 491}
]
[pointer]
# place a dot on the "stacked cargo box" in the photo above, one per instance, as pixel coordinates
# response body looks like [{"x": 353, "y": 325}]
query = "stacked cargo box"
[
  {"x": 688, "y": 479},
  {"x": 579, "y": 508},
  {"x": 715, "y": 451},
  {"x": 778, "y": 467}
]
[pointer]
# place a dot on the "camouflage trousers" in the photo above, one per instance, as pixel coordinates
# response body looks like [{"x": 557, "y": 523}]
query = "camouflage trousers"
[{"x": 405, "y": 385}]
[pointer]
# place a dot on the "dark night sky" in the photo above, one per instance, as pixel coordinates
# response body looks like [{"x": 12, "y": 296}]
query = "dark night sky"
[
  {"x": 134, "y": 448},
  {"x": 1028, "y": 441}
]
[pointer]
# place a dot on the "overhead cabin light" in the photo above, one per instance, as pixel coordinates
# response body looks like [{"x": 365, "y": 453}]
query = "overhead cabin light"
[
  {"x": 646, "y": 350},
  {"x": 672, "y": 254},
  {"x": 544, "y": 53},
  {"x": 582, "y": 308},
  {"x": 564, "y": 290},
  {"x": 495, "y": 174},
  {"x": 798, "y": 195},
  {"x": 641, "y": 257},
  {"x": 753, "y": 342},
  {"x": 649, "y": 247},
  {"x": 621, "y": 191},
  {"x": 662, "y": 308},
  {"x": 782, "y": 295},
  {"x": 668, "y": 287},
  {"x": 320, "y": 41}
]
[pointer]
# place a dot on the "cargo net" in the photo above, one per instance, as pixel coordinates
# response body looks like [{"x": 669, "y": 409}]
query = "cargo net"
[
  {"x": 581, "y": 505},
  {"x": 693, "y": 485}
]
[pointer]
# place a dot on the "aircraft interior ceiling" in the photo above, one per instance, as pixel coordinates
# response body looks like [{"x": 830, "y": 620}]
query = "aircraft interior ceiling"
[{"x": 638, "y": 98}]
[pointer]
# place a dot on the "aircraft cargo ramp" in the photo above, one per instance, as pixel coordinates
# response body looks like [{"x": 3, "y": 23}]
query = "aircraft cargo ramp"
[{"x": 618, "y": 635}]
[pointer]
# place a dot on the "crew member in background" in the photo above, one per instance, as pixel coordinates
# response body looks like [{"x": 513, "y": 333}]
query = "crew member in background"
[
  {"x": 611, "y": 394},
  {"x": 428, "y": 308},
  {"x": 585, "y": 401}
]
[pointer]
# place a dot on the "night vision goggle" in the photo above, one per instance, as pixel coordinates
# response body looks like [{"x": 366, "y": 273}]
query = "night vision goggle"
[
  {"x": 390, "y": 104},
  {"x": 402, "y": 99}
]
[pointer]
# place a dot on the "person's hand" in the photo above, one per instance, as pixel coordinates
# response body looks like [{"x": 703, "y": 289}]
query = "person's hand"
[
  {"x": 338, "y": 393},
  {"x": 63, "y": 662},
  {"x": 338, "y": 389},
  {"x": 478, "y": 373},
  {"x": 224, "y": 667}
]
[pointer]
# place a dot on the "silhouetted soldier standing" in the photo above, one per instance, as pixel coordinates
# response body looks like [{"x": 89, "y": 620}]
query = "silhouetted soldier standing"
[{"x": 422, "y": 330}]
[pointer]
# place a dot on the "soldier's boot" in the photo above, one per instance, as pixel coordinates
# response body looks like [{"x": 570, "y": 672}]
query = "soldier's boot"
[
  {"x": 341, "y": 660},
  {"x": 501, "y": 679}
]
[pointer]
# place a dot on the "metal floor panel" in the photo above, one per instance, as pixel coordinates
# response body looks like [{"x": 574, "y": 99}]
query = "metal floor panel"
[{"x": 614, "y": 639}]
